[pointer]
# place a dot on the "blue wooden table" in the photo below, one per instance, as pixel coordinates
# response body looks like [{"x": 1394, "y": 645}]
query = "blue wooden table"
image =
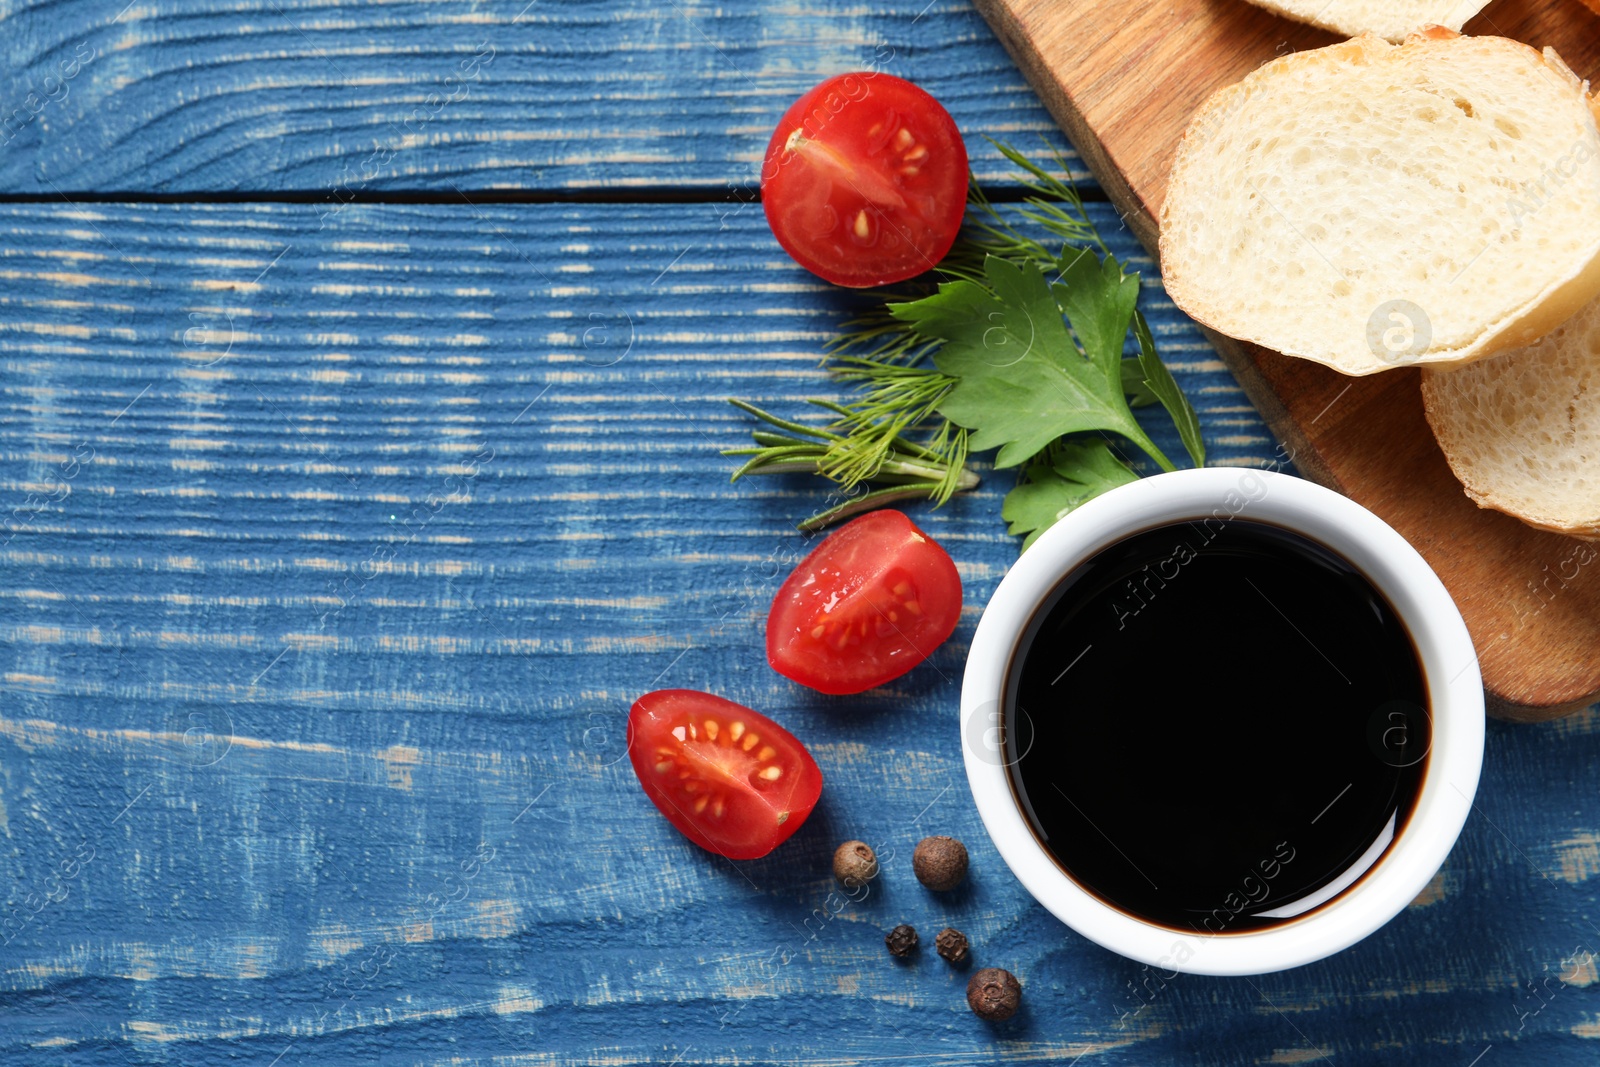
[{"x": 363, "y": 374}]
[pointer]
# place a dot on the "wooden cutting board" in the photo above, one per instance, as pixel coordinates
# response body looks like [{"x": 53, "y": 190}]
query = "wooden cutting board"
[{"x": 1122, "y": 80}]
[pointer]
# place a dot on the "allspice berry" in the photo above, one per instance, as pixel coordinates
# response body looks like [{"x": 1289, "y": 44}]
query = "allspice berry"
[
  {"x": 940, "y": 862},
  {"x": 952, "y": 945},
  {"x": 994, "y": 994},
  {"x": 901, "y": 941},
  {"x": 854, "y": 863}
]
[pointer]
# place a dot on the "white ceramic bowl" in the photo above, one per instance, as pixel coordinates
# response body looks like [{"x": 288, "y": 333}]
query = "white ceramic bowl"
[{"x": 1449, "y": 665}]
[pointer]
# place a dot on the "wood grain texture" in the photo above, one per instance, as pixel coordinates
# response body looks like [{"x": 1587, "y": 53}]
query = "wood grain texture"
[
  {"x": 346, "y": 543},
  {"x": 1123, "y": 82},
  {"x": 403, "y": 95}
]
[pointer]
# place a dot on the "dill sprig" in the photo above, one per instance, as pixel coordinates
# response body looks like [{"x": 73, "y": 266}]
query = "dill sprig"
[
  {"x": 1054, "y": 206},
  {"x": 906, "y": 469}
]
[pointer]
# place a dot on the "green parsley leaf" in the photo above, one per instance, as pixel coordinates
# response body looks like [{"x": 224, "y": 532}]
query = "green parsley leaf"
[
  {"x": 1159, "y": 382},
  {"x": 1021, "y": 381},
  {"x": 1075, "y": 471},
  {"x": 1139, "y": 394},
  {"x": 1098, "y": 299}
]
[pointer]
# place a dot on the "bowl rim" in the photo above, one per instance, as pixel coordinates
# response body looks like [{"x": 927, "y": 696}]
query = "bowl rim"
[{"x": 1450, "y": 668}]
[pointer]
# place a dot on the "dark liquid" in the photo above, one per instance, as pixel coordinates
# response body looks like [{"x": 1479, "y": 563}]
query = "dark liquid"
[{"x": 1206, "y": 722}]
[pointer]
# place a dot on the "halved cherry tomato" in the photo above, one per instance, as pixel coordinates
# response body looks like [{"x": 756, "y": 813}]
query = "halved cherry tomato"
[
  {"x": 865, "y": 180},
  {"x": 732, "y": 780},
  {"x": 868, "y": 604}
]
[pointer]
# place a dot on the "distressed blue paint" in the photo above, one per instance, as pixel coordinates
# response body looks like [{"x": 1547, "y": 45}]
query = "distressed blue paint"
[
  {"x": 295, "y": 894},
  {"x": 377, "y": 97}
]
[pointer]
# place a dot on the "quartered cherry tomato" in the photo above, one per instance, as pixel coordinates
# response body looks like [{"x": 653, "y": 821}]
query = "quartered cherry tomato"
[
  {"x": 732, "y": 780},
  {"x": 865, "y": 180},
  {"x": 868, "y": 604}
]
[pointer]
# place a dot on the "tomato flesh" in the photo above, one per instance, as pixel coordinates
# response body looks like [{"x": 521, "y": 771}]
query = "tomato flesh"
[
  {"x": 732, "y": 780},
  {"x": 865, "y": 180},
  {"x": 867, "y": 605}
]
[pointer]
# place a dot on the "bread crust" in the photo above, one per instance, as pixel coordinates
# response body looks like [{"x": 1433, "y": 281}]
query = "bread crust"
[
  {"x": 1337, "y": 18},
  {"x": 1530, "y": 319},
  {"x": 1466, "y": 433}
]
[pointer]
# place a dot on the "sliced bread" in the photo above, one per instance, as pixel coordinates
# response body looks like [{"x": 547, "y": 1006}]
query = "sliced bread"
[
  {"x": 1390, "y": 19},
  {"x": 1522, "y": 430},
  {"x": 1370, "y": 205}
]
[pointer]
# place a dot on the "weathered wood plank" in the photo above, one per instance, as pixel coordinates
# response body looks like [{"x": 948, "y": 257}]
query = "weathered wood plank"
[
  {"x": 505, "y": 94},
  {"x": 351, "y": 539}
]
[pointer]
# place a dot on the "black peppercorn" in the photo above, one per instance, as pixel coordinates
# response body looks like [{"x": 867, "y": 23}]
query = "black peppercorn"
[
  {"x": 994, "y": 994},
  {"x": 854, "y": 863},
  {"x": 901, "y": 941},
  {"x": 952, "y": 945},
  {"x": 940, "y": 862}
]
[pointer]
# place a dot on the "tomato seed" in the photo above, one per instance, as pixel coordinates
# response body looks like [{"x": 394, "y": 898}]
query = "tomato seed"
[{"x": 711, "y": 728}]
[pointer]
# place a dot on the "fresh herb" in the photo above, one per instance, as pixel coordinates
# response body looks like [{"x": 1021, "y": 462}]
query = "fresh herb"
[
  {"x": 1058, "y": 480},
  {"x": 1017, "y": 380},
  {"x": 1019, "y": 349},
  {"x": 905, "y": 469}
]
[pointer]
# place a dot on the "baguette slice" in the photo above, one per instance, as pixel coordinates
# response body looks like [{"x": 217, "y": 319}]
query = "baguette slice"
[
  {"x": 1522, "y": 430},
  {"x": 1369, "y": 205},
  {"x": 1391, "y": 19}
]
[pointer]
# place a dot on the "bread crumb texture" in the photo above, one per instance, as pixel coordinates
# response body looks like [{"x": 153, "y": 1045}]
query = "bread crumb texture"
[
  {"x": 1522, "y": 430},
  {"x": 1370, "y": 205}
]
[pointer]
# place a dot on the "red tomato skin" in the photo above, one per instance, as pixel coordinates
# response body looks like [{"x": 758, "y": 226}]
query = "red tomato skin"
[
  {"x": 757, "y": 819},
  {"x": 878, "y": 571},
  {"x": 874, "y": 189}
]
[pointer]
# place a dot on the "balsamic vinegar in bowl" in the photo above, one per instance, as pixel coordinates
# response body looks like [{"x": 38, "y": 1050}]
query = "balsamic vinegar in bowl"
[{"x": 1215, "y": 727}]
